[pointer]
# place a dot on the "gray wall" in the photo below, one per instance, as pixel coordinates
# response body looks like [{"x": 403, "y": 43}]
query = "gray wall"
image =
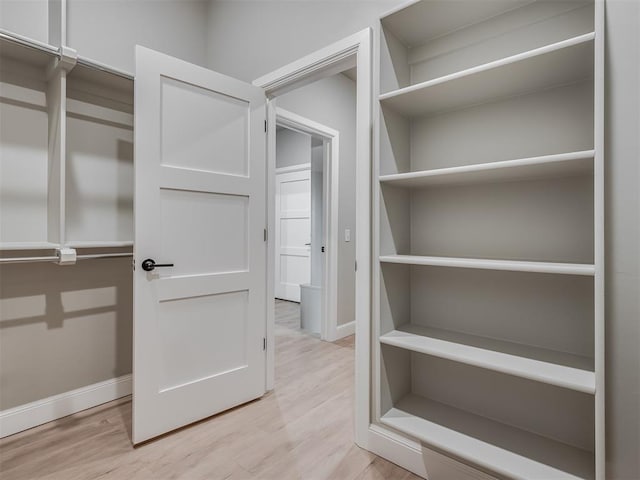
[
  {"x": 622, "y": 177},
  {"x": 108, "y": 30},
  {"x": 249, "y": 38},
  {"x": 63, "y": 327},
  {"x": 28, "y": 18},
  {"x": 292, "y": 148},
  {"x": 332, "y": 102}
]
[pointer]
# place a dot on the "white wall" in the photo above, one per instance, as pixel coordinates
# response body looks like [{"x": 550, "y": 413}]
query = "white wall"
[
  {"x": 248, "y": 38},
  {"x": 28, "y": 18},
  {"x": 332, "y": 102},
  {"x": 292, "y": 148},
  {"x": 108, "y": 30}
]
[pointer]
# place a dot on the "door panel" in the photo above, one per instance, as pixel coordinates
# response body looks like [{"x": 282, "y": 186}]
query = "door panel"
[
  {"x": 216, "y": 123},
  {"x": 293, "y": 233},
  {"x": 200, "y": 205}
]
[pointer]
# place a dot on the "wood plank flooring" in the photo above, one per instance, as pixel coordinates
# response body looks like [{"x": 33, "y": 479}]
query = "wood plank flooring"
[{"x": 301, "y": 430}]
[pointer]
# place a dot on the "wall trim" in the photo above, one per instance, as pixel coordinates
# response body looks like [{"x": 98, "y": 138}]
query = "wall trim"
[
  {"x": 36, "y": 413},
  {"x": 293, "y": 168},
  {"x": 419, "y": 459},
  {"x": 345, "y": 330}
]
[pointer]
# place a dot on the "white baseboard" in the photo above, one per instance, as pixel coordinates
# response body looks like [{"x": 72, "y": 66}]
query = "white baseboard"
[
  {"x": 345, "y": 330},
  {"x": 46, "y": 410},
  {"x": 418, "y": 459}
]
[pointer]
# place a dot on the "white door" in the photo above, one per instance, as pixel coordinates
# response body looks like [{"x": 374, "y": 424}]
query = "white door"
[
  {"x": 200, "y": 205},
  {"x": 293, "y": 233}
]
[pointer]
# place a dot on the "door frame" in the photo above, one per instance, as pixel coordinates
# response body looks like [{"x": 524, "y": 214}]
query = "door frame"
[
  {"x": 330, "y": 235},
  {"x": 354, "y": 50}
]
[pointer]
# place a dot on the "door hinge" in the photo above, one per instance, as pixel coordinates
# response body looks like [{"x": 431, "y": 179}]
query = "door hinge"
[
  {"x": 264, "y": 343},
  {"x": 322, "y": 249},
  {"x": 356, "y": 265},
  {"x": 265, "y": 235},
  {"x": 265, "y": 126}
]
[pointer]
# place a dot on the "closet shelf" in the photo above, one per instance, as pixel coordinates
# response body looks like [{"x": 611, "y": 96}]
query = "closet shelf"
[
  {"x": 416, "y": 22},
  {"x": 100, "y": 244},
  {"x": 28, "y": 246},
  {"x": 488, "y": 264},
  {"x": 559, "y": 165},
  {"x": 507, "y": 450},
  {"x": 538, "y": 364},
  {"x": 557, "y": 64},
  {"x": 27, "y": 51}
]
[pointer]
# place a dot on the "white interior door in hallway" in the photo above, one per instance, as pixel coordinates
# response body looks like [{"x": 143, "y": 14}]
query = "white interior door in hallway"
[
  {"x": 200, "y": 195},
  {"x": 293, "y": 232}
]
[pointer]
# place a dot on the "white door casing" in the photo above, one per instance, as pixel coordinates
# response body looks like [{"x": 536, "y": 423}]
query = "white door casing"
[
  {"x": 293, "y": 232},
  {"x": 200, "y": 198}
]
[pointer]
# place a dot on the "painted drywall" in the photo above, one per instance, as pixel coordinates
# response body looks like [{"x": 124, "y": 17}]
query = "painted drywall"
[
  {"x": 292, "y": 148},
  {"x": 249, "y": 38},
  {"x": 622, "y": 240},
  {"x": 27, "y": 18},
  {"x": 108, "y": 30},
  {"x": 332, "y": 102},
  {"x": 63, "y": 327}
]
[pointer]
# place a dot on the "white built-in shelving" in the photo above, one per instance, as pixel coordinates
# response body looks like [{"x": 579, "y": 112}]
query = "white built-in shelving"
[
  {"x": 557, "y": 64},
  {"x": 493, "y": 445},
  {"x": 488, "y": 229},
  {"x": 490, "y": 264},
  {"x": 66, "y": 175}
]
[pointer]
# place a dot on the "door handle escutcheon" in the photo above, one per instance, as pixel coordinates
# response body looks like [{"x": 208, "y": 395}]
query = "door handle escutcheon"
[{"x": 149, "y": 264}]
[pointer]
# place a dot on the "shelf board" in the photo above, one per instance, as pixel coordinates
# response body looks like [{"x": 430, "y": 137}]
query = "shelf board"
[
  {"x": 500, "y": 448},
  {"x": 559, "y": 165},
  {"x": 27, "y": 51},
  {"x": 419, "y": 22},
  {"x": 100, "y": 244},
  {"x": 557, "y": 64},
  {"x": 488, "y": 264},
  {"x": 28, "y": 246},
  {"x": 541, "y": 365}
]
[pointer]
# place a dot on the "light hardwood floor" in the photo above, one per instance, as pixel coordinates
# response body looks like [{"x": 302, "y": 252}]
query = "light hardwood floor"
[{"x": 301, "y": 430}]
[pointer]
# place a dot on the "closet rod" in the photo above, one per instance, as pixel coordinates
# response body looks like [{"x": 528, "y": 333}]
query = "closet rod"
[
  {"x": 29, "y": 43},
  {"x": 103, "y": 68},
  {"x": 53, "y": 258}
]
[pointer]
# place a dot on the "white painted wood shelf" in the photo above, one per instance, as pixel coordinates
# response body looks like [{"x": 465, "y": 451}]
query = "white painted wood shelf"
[
  {"x": 489, "y": 264},
  {"x": 557, "y": 64},
  {"x": 547, "y": 166},
  {"x": 14, "y": 246},
  {"x": 100, "y": 244},
  {"x": 541, "y": 365},
  {"x": 501, "y": 448}
]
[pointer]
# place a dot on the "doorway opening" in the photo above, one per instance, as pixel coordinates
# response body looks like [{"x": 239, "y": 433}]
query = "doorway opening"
[{"x": 307, "y": 208}]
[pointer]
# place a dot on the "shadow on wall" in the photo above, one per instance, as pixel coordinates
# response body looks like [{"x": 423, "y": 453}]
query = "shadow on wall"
[{"x": 63, "y": 327}]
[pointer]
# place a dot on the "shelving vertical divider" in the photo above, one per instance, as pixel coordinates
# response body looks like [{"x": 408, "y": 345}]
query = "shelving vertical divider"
[
  {"x": 57, "y": 112},
  {"x": 599, "y": 240}
]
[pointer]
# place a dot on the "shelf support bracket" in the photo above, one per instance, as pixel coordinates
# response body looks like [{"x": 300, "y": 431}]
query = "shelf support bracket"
[
  {"x": 66, "y": 256},
  {"x": 67, "y": 60}
]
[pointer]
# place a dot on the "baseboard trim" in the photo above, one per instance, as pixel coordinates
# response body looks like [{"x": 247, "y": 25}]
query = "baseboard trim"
[
  {"x": 345, "y": 330},
  {"x": 417, "y": 458},
  {"x": 36, "y": 413}
]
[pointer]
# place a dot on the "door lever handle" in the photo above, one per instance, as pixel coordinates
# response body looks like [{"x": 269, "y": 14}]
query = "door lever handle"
[{"x": 149, "y": 264}]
